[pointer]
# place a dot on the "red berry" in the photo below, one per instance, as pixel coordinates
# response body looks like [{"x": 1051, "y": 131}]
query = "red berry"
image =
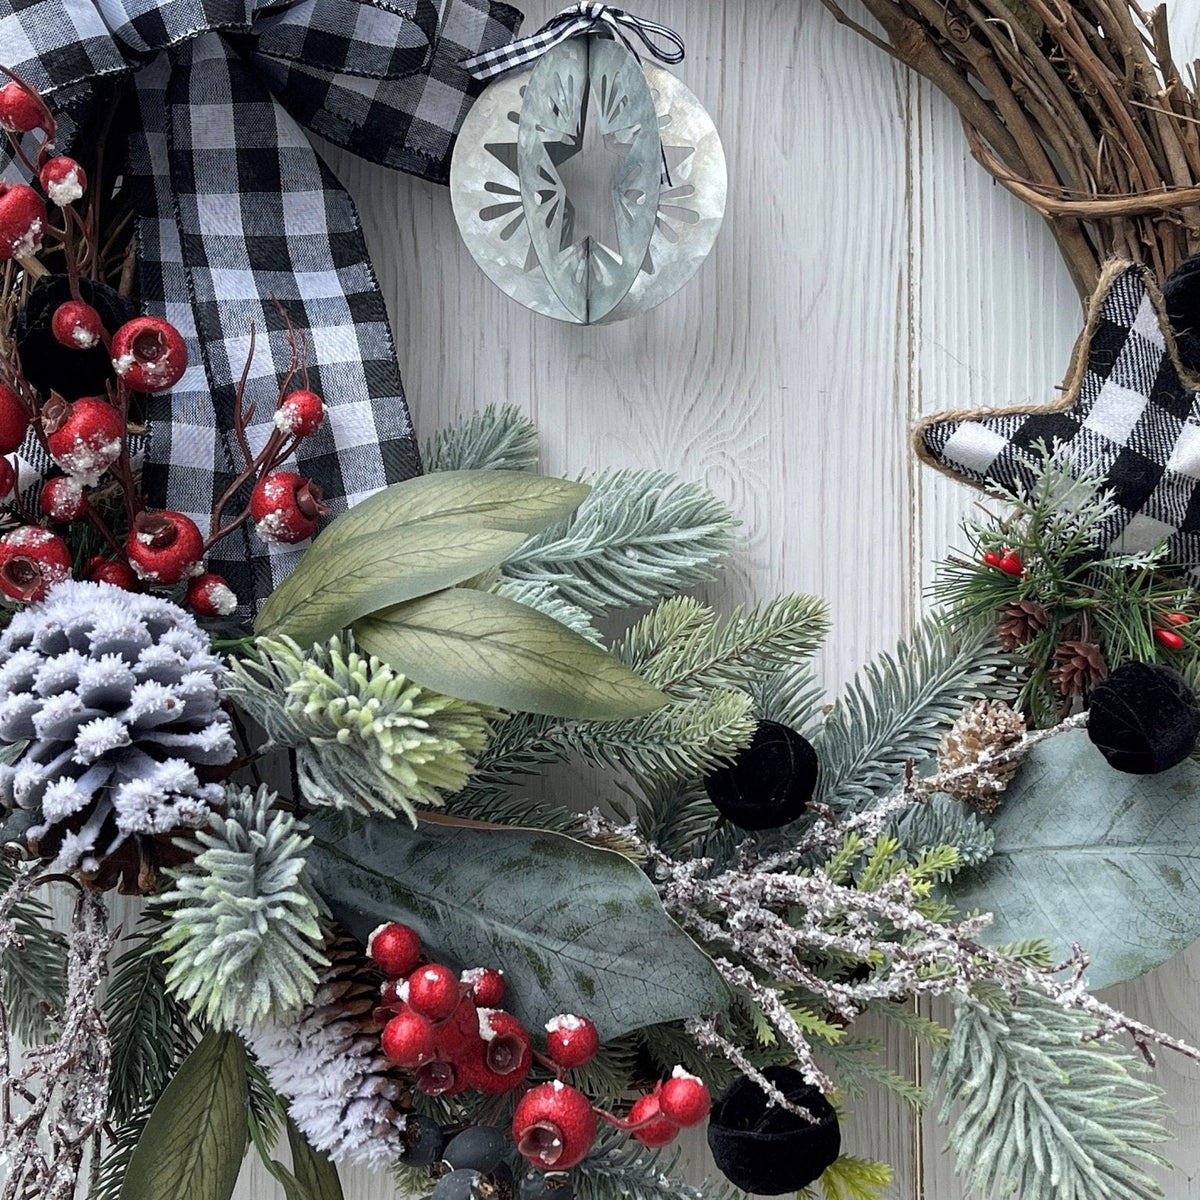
[
  {"x": 22, "y": 220},
  {"x": 20, "y": 108},
  {"x": 992, "y": 558},
  {"x": 408, "y": 1040},
  {"x": 442, "y": 1079},
  {"x": 8, "y": 478},
  {"x": 571, "y": 1041},
  {"x": 149, "y": 354},
  {"x": 84, "y": 438},
  {"x": 164, "y": 547},
  {"x": 286, "y": 507},
  {"x": 76, "y": 325},
  {"x": 394, "y": 948},
  {"x": 63, "y": 498},
  {"x": 657, "y": 1130},
  {"x": 299, "y": 414},
  {"x": 63, "y": 180},
  {"x": 486, "y": 984},
  {"x": 1176, "y": 618},
  {"x": 1010, "y": 563},
  {"x": 14, "y": 420},
  {"x": 211, "y": 596},
  {"x": 434, "y": 991},
  {"x": 684, "y": 1099},
  {"x": 554, "y": 1126},
  {"x": 32, "y": 560},
  {"x": 1169, "y": 638},
  {"x": 507, "y": 1053},
  {"x": 119, "y": 574},
  {"x": 457, "y": 1037}
]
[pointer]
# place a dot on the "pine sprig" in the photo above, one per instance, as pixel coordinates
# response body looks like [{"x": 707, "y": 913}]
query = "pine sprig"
[
  {"x": 31, "y": 970},
  {"x": 942, "y": 821},
  {"x": 638, "y": 536},
  {"x": 499, "y": 438},
  {"x": 1043, "y": 1112},
  {"x": 850, "y": 1178},
  {"x": 858, "y": 1064},
  {"x": 620, "y": 1166}
]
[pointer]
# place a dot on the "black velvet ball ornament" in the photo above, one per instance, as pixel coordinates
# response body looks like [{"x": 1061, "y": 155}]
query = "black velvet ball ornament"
[
  {"x": 769, "y": 782},
  {"x": 1143, "y": 718},
  {"x": 49, "y": 366},
  {"x": 763, "y": 1148},
  {"x": 1181, "y": 291}
]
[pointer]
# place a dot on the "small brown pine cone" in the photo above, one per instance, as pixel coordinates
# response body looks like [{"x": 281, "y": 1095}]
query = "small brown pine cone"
[
  {"x": 1078, "y": 667},
  {"x": 1020, "y": 622},
  {"x": 986, "y": 728}
]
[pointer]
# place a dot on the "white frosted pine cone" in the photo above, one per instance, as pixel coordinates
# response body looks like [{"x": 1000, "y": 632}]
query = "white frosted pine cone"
[{"x": 987, "y": 728}]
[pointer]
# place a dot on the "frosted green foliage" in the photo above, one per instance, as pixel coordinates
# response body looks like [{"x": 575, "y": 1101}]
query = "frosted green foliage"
[
  {"x": 620, "y": 1166},
  {"x": 31, "y": 969},
  {"x": 790, "y": 695},
  {"x": 547, "y": 599},
  {"x": 1043, "y": 1112},
  {"x": 637, "y": 537},
  {"x": 500, "y": 438},
  {"x": 365, "y": 736},
  {"x": 942, "y": 821},
  {"x": 244, "y": 938}
]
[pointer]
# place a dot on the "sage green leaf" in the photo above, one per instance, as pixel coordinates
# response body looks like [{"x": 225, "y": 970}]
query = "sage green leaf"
[
  {"x": 575, "y": 928},
  {"x": 478, "y": 646},
  {"x": 1087, "y": 854},
  {"x": 193, "y": 1143},
  {"x": 314, "y": 1177}
]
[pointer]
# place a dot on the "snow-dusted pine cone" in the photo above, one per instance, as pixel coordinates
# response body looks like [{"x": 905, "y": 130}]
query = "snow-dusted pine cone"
[
  {"x": 116, "y": 695},
  {"x": 987, "y": 727},
  {"x": 345, "y": 1097},
  {"x": 1020, "y": 622},
  {"x": 1078, "y": 667}
]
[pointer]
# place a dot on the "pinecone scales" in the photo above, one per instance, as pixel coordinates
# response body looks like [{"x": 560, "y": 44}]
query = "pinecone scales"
[
  {"x": 1020, "y": 622},
  {"x": 343, "y": 1094},
  {"x": 986, "y": 728},
  {"x": 1078, "y": 667}
]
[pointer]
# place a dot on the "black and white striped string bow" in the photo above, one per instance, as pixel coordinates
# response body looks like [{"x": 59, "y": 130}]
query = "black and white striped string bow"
[
  {"x": 663, "y": 43},
  {"x": 234, "y": 207}
]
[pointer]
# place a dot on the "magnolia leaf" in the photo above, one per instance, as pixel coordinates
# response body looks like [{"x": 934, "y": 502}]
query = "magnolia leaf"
[
  {"x": 574, "y": 927},
  {"x": 193, "y": 1143},
  {"x": 482, "y": 647},
  {"x": 1085, "y": 854},
  {"x": 314, "y": 1177}
]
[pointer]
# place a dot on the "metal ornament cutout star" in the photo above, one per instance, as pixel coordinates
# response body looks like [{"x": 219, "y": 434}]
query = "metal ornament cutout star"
[{"x": 1126, "y": 411}]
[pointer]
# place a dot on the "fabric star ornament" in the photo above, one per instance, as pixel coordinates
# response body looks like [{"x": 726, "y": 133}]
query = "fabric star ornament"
[{"x": 1126, "y": 411}]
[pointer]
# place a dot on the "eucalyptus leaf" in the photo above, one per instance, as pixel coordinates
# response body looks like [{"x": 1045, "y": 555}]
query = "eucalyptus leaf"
[
  {"x": 1085, "y": 854},
  {"x": 193, "y": 1144},
  {"x": 575, "y": 928},
  {"x": 482, "y": 647}
]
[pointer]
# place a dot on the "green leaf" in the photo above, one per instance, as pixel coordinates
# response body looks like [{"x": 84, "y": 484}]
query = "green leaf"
[
  {"x": 482, "y": 647},
  {"x": 1087, "y": 854},
  {"x": 313, "y": 1176},
  {"x": 193, "y": 1144},
  {"x": 575, "y": 928}
]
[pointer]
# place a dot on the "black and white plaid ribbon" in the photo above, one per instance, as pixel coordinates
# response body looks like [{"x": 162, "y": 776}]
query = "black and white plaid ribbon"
[
  {"x": 663, "y": 43},
  {"x": 234, "y": 206}
]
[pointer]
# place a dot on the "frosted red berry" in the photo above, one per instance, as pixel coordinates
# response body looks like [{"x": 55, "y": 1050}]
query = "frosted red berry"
[
  {"x": 63, "y": 499},
  {"x": 654, "y": 1129},
  {"x": 408, "y": 1040},
  {"x": 571, "y": 1041},
  {"x": 20, "y": 109},
  {"x": 164, "y": 547},
  {"x": 149, "y": 354},
  {"x": 63, "y": 180},
  {"x": 22, "y": 220},
  {"x": 507, "y": 1052},
  {"x": 85, "y": 437},
  {"x": 286, "y": 507},
  {"x": 457, "y": 1036},
  {"x": 684, "y": 1099},
  {"x": 554, "y": 1126},
  {"x": 14, "y": 420},
  {"x": 442, "y": 1079},
  {"x": 394, "y": 948},
  {"x": 211, "y": 596},
  {"x": 76, "y": 325},
  {"x": 32, "y": 560},
  {"x": 486, "y": 984},
  {"x": 299, "y": 414},
  {"x": 434, "y": 991},
  {"x": 8, "y": 478},
  {"x": 107, "y": 570}
]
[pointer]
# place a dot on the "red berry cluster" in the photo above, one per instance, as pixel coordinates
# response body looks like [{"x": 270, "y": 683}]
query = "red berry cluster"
[
  {"x": 1009, "y": 561},
  {"x": 449, "y": 1031},
  {"x": 87, "y": 438}
]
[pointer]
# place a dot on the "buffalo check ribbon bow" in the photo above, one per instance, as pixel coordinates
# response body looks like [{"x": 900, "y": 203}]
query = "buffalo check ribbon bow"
[{"x": 234, "y": 206}]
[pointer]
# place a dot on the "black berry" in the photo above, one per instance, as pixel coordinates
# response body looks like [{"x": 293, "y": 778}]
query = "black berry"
[
  {"x": 423, "y": 1141},
  {"x": 769, "y": 783},
  {"x": 461, "y": 1185},
  {"x": 480, "y": 1148},
  {"x": 545, "y": 1185},
  {"x": 1143, "y": 718}
]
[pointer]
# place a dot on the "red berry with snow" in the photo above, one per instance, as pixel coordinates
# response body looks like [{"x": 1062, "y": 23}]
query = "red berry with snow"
[
  {"x": 434, "y": 991},
  {"x": 14, "y": 420},
  {"x": 286, "y": 507},
  {"x": 32, "y": 560},
  {"x": 571, "y": 1041},
  {"x": 394, "y": 948},
  {"x": 63, "y": 499},
  {"x": 554, "y": 1126},
  {"x": 8, "y": 478},
  {"x": 486, "y": 984},
  {"x": 149, "y": 354},
  {"x": 299, "y": 413},
  {"x": 164, "y": 547},
  {"x": 507, "y": 1052},
  {"x": 106, "y": 570},
  {"x": 457, "y": 1037},
  {"x": 22, "y": 220},
  {"x": 76, "y": 325},
  {"x": 211, "y": 596},
  {"x": 657, "y": 1130},
  {"x": 20, "y": 109},
  {"x": 85, "y": 437},
  {"x": 408, "y": 1040},
  {"x": 684, "y": 1099},
  {"x": 63, "y": 180}
]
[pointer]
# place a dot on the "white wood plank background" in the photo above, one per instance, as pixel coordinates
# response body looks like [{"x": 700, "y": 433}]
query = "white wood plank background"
[{"x": 867, "y": 272}]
